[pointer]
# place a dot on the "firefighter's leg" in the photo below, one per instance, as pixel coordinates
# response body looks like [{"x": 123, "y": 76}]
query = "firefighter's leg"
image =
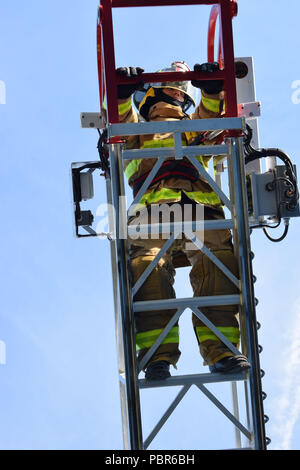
[
  {"x": 158, "y": 286},
  {"x": 208, "y": 280}
]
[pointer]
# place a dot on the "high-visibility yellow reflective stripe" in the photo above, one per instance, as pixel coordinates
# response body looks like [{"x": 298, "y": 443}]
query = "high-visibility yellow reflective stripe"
[
  {"x": 147, "y": 338},
  {"x": 204, "y": 198},
  {"x": 124, "y": 107},
  {"x": 132, "y": 168},
  {"x": 211, "y": 104},
  {"x": 162, "y": 194},
  {"x": 156, "y": 143},
  {"x": 230, "y": 332},
  {"x": 165, "y": 194}
]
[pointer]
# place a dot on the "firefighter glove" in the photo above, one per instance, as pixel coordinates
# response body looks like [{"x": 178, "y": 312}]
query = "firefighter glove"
[
  {"x": 211, "y": 87},
  {"x": 124, "y": 90}
]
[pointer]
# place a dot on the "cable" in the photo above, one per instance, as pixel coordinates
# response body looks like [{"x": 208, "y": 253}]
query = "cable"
[
  {"x": 266, "y": 225},
  {"x": 290, "y": 179},
  {"x": 286, "y": 228},
  {"x": 101, "y": 151}
]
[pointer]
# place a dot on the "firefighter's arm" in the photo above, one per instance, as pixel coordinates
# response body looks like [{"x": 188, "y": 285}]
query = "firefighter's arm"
[
  {"x": 212, "y": 94},
  {"x": 125, "y": 91}
]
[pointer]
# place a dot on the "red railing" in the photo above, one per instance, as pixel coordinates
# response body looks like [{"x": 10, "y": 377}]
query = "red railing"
[{"x": 225, "y": 10}]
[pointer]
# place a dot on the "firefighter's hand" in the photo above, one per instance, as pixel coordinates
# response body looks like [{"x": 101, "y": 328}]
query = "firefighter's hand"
[
  {"x": 211, "y": 87},
  {"x": 125, "y": 91}
]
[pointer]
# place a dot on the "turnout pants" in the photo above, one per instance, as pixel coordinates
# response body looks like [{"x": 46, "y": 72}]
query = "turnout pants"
[{"x": 206, "y": 280}]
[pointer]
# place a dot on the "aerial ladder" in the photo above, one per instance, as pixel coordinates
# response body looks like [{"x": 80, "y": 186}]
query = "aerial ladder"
[{"x": 273, "y": 196}]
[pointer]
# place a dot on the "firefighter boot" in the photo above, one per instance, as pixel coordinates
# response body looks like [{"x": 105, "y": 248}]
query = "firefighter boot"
[
  {"x": 231, "y": 364},
  {"x": 158, "y": 370}
]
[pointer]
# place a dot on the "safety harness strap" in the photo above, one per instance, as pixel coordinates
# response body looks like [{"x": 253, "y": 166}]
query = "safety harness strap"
[{"x": 169, "y": 169}]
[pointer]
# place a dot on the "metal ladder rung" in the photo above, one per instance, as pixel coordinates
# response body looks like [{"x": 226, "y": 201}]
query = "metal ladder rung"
[
  {"x": 191, "y": 302},
  {"x": 170, "y": 152},
  {"x": 192, "y": 379}
]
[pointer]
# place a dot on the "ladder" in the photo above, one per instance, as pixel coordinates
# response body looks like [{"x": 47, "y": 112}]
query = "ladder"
[{"x": 131, "y": 385}]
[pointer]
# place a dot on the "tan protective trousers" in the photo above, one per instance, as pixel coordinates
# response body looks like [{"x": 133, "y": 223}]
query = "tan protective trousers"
[{"x": 206, "y": 280}]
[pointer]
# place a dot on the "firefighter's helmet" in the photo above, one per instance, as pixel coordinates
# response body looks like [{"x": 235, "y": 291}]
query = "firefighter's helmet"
[{"x": 145, "y": 98}]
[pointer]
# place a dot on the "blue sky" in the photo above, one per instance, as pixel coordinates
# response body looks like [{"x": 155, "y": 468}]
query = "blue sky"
[{"x": 59, "y": 384}]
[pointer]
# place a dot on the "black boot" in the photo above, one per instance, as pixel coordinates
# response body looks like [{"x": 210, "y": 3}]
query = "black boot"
[
  {"x": 232, "y": 364},
  {"x": 158, "y": 370}
]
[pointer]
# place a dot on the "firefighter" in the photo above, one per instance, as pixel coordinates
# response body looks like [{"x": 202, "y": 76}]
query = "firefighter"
[{"x": 179, "y": 182}]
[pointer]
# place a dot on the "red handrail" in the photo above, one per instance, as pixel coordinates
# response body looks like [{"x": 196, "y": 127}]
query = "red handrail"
[
  {"x": 108, "y": 79},
  {"x": 211, "y": 33},
  {"x": 100, "y": 62},
  {"x": 214, "y": 13}
]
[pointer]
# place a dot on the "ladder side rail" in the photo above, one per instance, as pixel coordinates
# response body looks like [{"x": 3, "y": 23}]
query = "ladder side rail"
[
  {"x": 237, "y": 182},
  {"x": 227, "y": 52},
  {"x": 118, "y": 319},
  {"x": 109, "y": 62},
  {"x": 132, "y": 391},
  {"x": 225, "y": 11},
  {"x": 100, "y": 66}
]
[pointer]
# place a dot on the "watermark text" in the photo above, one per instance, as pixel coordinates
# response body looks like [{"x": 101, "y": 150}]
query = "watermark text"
[
  {"x": 2, "y": 92},
  {"x": 2, "y": 353},
  {"x": 296, "y": 94}
]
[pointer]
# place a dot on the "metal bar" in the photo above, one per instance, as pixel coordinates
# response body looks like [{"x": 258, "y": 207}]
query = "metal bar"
[
  {"x": 211, "y": 182},
  {"x": 213, "y": 258},
  {"x": 147, "y": 182},
  {"x": 100, "y": 61},
  {"x": 170, "y": 77},
  {"x": 118, "y": 322},
  {"x": 132, "y": 392},
  {"x": 176, "y": 227},
  {"x": 169, "y": 152},
  {"x": 242, "y": 235},
  {"x": 190, "y": 302},
  {"x": 236, "y": 413},
  {"x": 216, "y": 331},
  {"x": 178, "y": 146},
  {"x": 211, "y": 33},
  {"x": 224, "y": 410},
  {"x": 141, "y": 128},
  {"x": 192, "y": 379},
  {"x": 159, "y": 340},
  {"x": 152, "y": 265},
  {"x": 89, "y": 230},
  {"x": 158, "y": 3},
  {"x": 109, "y": 61},
  {"x": 166, "y": 415},
  {"x": 227, "y": 51}
]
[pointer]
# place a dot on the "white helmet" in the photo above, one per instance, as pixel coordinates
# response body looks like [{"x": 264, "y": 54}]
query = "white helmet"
[{"x": 149, "y": 90}]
